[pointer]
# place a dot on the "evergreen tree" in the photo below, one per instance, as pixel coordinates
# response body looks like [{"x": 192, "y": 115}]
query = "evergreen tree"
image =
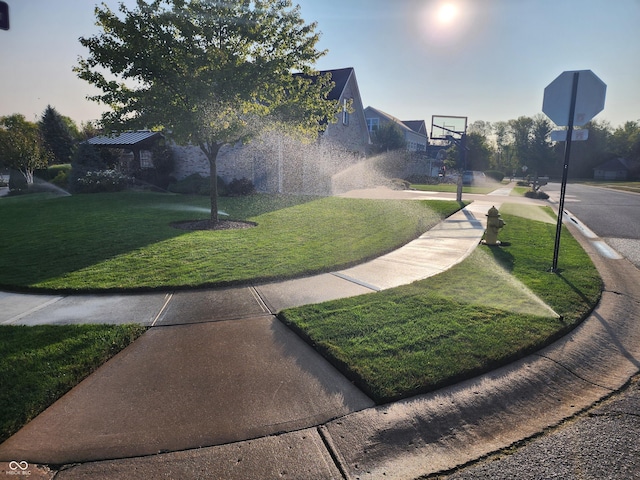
[{"x": 57, "y": 136}]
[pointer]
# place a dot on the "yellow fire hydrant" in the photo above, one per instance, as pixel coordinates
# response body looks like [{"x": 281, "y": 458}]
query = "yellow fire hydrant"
[{"x": 494, "y": 224}]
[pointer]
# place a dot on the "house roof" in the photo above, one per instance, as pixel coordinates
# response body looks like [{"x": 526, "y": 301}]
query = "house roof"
[
  {"x": 125, "y": 139},
  {"x": 339, "y": 77},
  {"x": 391, "y": 118},
  {"x": 416, "y": 125},
  {"x": 614, "y": 165}
]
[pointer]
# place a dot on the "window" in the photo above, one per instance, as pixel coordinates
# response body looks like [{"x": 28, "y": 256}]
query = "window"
[
  {"x": 373, "y": 124},
  {"x": 345, "y": 111},
  {"x": 146, "y": 159}
]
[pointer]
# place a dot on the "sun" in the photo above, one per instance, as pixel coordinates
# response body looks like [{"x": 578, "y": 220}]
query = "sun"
[{"x": 447, "y": 13}]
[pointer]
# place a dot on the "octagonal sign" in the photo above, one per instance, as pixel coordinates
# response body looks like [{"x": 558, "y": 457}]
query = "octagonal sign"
[{"x": 590, "y": 96}]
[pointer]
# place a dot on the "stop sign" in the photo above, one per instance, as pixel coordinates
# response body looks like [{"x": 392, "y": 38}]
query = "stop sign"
[{"x": 589, "y": 98}]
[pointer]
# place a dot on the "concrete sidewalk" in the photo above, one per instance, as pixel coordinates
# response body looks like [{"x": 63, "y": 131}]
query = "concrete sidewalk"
[{"x": 263, "y": 404}]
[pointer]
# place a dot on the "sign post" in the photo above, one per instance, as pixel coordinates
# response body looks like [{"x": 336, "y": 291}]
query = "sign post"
[
  {"x": 4, "y": 16},
  {"x": 571, "y": 100}
]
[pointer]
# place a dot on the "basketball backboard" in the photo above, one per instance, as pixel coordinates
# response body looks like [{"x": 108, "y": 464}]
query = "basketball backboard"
[{"x": 444, "y": 127}]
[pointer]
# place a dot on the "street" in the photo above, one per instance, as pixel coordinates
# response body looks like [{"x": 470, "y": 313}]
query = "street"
[{"x": 612, "y": 215}]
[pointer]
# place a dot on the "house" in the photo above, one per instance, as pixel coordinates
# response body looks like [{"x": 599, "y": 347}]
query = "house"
[
  {"x": 415, "y": 131},
  {"x": 276, "y": 163},
  {"x": 615, "y": 169},
  {"x": 137, "y": 145}
]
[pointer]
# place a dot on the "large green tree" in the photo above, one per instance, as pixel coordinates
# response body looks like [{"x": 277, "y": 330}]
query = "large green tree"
[
  {"x": 207, "y": 71},
  {"x": 21, "y": 146},
  {"x": 57, "y": 135}
]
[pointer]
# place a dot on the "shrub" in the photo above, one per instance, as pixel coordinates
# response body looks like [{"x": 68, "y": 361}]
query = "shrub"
[
  {"x": 102, "y": 181},
  {"x": 240, "y": 187},
  {"x": 52, "y": 171},
  {"x": 192, "y": 185},
  {"x": 61, "y": 179},
  {"x": 495, "y": 175},
  {"x": 540, "y": 195},
  {"x": 17, "y": 181}
]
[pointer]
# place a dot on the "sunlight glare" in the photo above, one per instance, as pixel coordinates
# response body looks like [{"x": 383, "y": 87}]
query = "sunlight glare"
[{"x": 447, "y": 13}]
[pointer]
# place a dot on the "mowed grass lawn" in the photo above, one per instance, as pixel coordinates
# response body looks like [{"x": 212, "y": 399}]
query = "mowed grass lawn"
[
  {"x": 125, "y": 241},
  {"x": 40, "y": 364},
  {"x": 494, "y": 307}
]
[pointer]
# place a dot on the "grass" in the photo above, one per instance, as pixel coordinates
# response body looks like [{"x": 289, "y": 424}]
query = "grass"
[
  {"x": 633, "y": 187},
  {"x": 520, "y": 191},
  {"x": 124, "y": 241},
  {"x": 39, "y": 364},
  {"x": 484, "y": 312},
  {"x": 452, "y": 188}
]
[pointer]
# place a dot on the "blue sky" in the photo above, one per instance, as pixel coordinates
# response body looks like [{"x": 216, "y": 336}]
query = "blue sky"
[{"x": 490, "y": 61}]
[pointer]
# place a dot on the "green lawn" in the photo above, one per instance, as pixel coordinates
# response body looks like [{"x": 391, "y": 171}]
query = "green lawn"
[
  {"x": 124, "y": 241},
  {"x": 484, "y": 312},
  {"x": 633, "y": 187},
  {"x": 39, "y": 364}
]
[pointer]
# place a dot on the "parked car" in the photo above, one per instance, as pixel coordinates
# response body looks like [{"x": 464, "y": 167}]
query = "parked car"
[{"x": 473, "y": 178}]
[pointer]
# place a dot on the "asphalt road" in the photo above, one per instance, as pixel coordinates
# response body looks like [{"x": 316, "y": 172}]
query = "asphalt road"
[{"x": 612, "y": 215}]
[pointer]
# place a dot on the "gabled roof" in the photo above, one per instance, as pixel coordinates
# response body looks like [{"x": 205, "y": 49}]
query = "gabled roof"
[
  {"x": 125, "y": 139},
  {"x": 418, "y": 126},
  {"x": 339, "y": 77},
  {"x": 391, "y": 118}
]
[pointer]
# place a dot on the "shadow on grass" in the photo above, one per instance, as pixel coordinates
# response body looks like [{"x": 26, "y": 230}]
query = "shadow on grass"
[
  {"x": 502, "y": 256},
  {"x": 47, "y": 237}
]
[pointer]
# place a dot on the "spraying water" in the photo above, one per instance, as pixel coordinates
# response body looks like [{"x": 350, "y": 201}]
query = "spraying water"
[
  {"x": 499, "y": 289},
  {"x": 189, "y": 208},
  {"x": 50, "y": 187}
]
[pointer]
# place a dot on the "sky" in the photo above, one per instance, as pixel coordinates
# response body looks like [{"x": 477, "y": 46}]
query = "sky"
[{"x": 487, "y": 60}]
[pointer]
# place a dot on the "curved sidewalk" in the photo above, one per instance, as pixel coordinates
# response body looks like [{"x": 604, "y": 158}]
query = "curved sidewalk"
[{"x": 406, "y": 439}]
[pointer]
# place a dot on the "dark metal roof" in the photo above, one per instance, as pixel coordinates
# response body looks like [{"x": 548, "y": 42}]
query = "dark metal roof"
[
  {"x": 339, "y": 77},
  {"x": 130, "y": 139}
]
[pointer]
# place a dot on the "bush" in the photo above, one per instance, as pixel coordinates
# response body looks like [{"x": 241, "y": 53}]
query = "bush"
[
  {"x": 241, "y": 187},
  {"x": 102, "y": 181},
  {"x": 17, "y": 181},
  {"x": 196, "y": 184},
  {"x": 192, "y": 185},
  {"x": 495, "y": 175},
  {"x": 52, "y": 171},
  {"x": 540, "y": 195},
  {"x": 61, "y": 179}
]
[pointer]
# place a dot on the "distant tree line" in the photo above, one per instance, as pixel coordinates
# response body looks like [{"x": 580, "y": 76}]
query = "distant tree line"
[{"x": 523, "y": 146}]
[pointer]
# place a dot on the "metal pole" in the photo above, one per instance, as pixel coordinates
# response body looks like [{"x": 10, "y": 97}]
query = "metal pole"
[{"x": 565, "y": 169}]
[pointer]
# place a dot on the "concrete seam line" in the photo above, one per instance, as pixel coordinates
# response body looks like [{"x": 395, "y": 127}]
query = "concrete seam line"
[
  {"x": 168, "y": 297},
  {"x": 263, "y": 305},
  {"x": 574, "y": 373},
  {"x": 333, "y": 451}
]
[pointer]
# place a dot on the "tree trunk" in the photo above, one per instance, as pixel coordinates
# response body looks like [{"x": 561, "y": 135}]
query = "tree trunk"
[{"x": 211, "y": 151}]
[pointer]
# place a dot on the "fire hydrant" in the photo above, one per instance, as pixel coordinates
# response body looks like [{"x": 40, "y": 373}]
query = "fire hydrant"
[{"x": 494, "y": 224}]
